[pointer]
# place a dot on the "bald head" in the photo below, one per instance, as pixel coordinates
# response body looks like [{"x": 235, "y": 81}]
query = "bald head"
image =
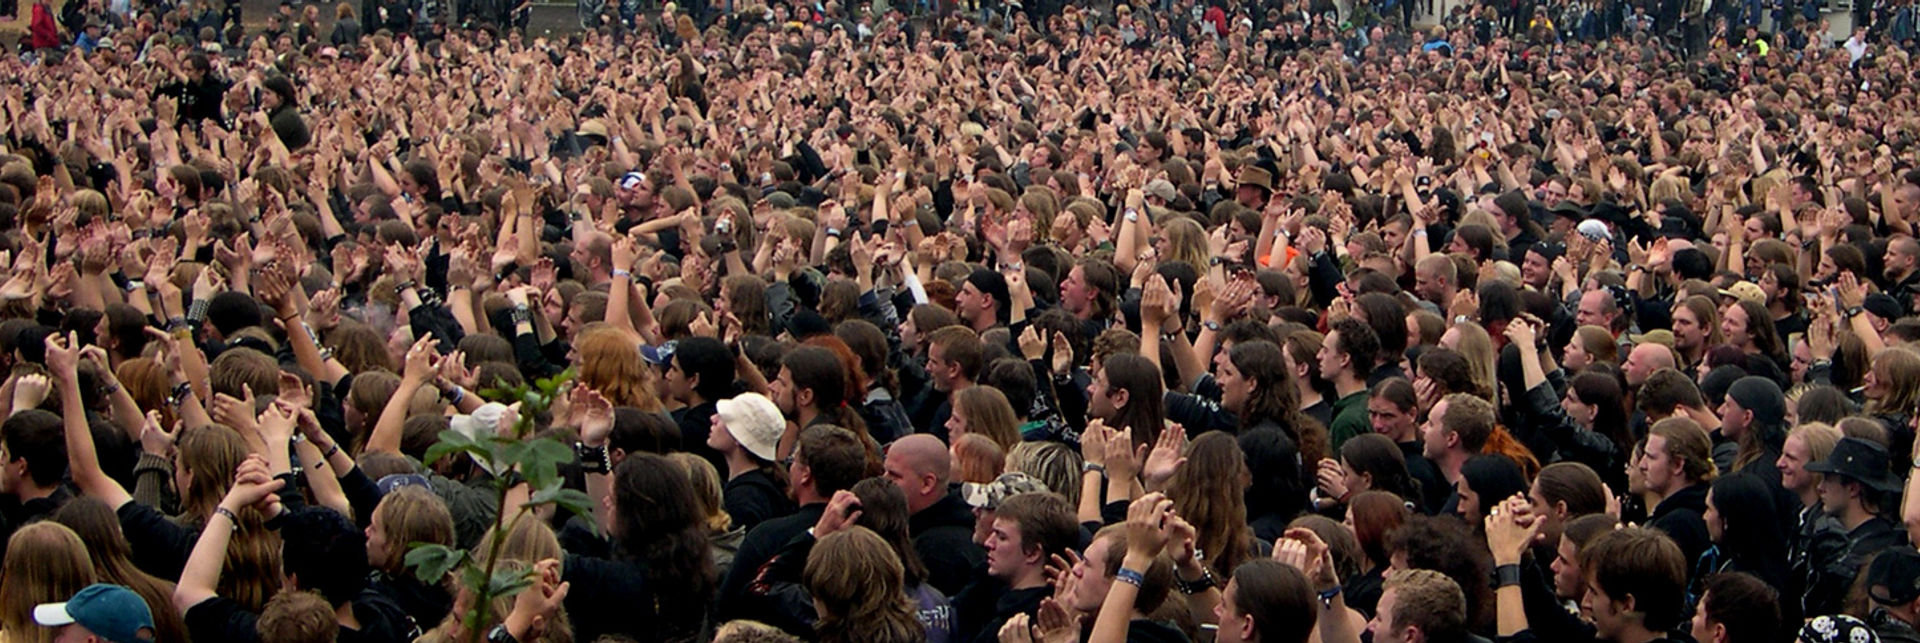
[
  {"x": 1644, "y": 360},
  {"x": 920, "y": 465}
]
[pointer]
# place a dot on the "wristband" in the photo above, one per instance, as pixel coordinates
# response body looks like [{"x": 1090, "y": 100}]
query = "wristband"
[
  {"x": 1507, "y": 575},
  {"x": 331, "y": 451},
  {"x": 1130, "y": 577},
  {"x": 1326, "y": 597},
  {"x": 223, "y": 511},
  {"x": 179, "y": 394},
  {"x": 618, "y": 273},
  {"x": 1089, "y": 467},
  {"x": 457, "y": 395},
  {"x": 593, "y": 459},
  {"x": 1190, "y": 588},
  {"x": 197, "y": 311},
  {"x": 521, "y": 315}
]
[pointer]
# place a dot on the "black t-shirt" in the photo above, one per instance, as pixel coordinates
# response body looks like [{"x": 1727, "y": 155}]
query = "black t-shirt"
[
  {"x": 696, "y": 423},
  {"x": 753, "y": 497},
  {"x": 222, "y": 619}
]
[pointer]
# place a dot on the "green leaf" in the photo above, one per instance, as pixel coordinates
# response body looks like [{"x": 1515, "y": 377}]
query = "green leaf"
[
  {"x": 508, "y": 581},
  {"x": 573, "y": 500},
  {"x": 431, "y": 563},
  {"x": 474, "y": 577},
  {"x": 541, "y": 462},
  {"x": 452, "y": 441}
]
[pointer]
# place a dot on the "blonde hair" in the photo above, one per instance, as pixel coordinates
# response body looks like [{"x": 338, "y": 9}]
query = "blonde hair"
[
  {"x": 525, "y": 543},
  {"x": 46, "y": 563},
  {"x": 1186, "y": 241},
  {"x": 1820, "y": 438},
  {"x": 411, "y": 515},
  {"x": 1052, "y": 463},
  {"x": 1477, "y": 346},
  {"x": 707, "y": 490}
]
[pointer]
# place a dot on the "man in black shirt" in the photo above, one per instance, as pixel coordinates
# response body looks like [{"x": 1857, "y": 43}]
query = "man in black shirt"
[
  {"x": 699, "y": 373},
  {"x": 1855, "y": 489},
  {"x": 33, "y": 460},
  {"x": 827, "y": 459},
  {"x": 1027, "y": 531}
]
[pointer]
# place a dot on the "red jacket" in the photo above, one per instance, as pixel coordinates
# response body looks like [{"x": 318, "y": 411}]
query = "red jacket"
[{"x": 44, "y": 32}]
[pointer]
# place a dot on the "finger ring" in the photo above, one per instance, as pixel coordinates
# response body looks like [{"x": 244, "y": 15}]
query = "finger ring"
[{"x": 1495, "y": 511}]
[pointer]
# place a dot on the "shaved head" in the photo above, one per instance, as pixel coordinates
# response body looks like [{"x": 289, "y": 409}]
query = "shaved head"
[
  {"x": 921, "y": 467},
  {"x": 923, "y": 454},
  {"x": 1643, "y": 360}
]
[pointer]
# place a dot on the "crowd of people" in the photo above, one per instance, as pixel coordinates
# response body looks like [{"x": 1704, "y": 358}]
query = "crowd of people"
[{"x": 1015, "y": 324}]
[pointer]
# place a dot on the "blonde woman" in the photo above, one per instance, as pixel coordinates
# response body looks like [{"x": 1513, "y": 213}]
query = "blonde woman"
[
  {"x": 725, "y": 535},
  {"x": 405, "y": 517},
  {"x": 526, "y": 543},
  {"x": 45, "y": 563}
]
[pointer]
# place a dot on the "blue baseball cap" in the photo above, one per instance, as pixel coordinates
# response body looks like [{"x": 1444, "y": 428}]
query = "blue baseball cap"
[
  {"x": 110, "y": 612},
  {"x": 661, "y": 355}
]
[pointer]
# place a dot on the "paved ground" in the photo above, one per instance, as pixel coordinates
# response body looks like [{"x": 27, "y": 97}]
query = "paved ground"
[{"x": 547, "y": 18}]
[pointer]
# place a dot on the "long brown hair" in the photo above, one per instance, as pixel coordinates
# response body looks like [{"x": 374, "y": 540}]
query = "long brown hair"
[
  {"x": 46, "y": 563},
  {"x": 1145, "y": 412},
  {"x": 883, "y": 508},
  {"x": 210, "y": 454},
  {"x": 708, "y": 494},
  {"x": 147, "y": 381},
  {"x": 860, "y": 587},
  {"x": 1209, "y": 491},
  {"x": 989, "y": 415},
  {"x": 99, "y": 528}
]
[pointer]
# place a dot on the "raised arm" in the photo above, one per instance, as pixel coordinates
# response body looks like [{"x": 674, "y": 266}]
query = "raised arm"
[
  {"x": 253, "y": 485},
  {"x": 419, "y": 369},
  {"x": 63, "y": 360}
]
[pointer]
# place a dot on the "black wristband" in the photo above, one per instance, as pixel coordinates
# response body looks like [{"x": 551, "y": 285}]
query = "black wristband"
[
  {"x": 1506, "y": 575},
  {"x": 593, "y": 459}
]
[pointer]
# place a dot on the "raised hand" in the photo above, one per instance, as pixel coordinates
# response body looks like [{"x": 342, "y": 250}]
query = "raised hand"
[
  {"x": 1304, "y": 550},
  {"x": 596, "y": 416},
  {"x": 843, "y": 511},
  {"x": 1332, "y": 479},
  {"x": 1147, "y": 533},
  {"x": 1511, "y": 527},
  {"x": 63, "y": 356},
  {"x": 153, "y": 438},
  {"x": 421, "y": 360},
  {"x": 1165, "y": 459}
]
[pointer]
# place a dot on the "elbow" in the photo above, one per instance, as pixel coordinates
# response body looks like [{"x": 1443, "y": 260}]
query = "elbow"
[{"x": 185, "y": 596}]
